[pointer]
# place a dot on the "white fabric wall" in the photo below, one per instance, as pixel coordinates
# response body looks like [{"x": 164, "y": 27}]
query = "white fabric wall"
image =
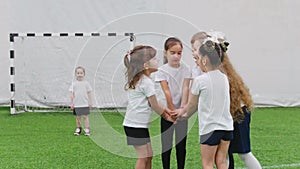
[
  {"x": 264, "y": 38},
  {"x": 4, "y": 57},
  {"x": 264, "y": 35}
]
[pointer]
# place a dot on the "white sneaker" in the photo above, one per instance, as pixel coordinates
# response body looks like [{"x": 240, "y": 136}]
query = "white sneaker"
[
  {"x": 77, "y": 131},
  {"x": 87, "y": 132}
]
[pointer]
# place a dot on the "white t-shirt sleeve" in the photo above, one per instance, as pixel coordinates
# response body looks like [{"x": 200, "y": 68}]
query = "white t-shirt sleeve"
[
  {"x": 188, "y": 73},
  {"x": 88, "y": 87},
  {"x": 148, "y": 87},
  {"x": 160, "y": 76},
  {"x": 196, "y": 71},
  {"x": 196, "y": 87}
]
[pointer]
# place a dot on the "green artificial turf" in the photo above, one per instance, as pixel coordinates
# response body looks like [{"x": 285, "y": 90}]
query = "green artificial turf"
[{"x": 45, "y": 140}]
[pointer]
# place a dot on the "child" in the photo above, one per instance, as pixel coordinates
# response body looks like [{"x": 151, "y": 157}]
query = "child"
[
  {"x": 140, "y": 63},
  {"x": 210, "y": 92},
  {"x": 240, "y": 105},
  {"x": 174, "y": 78},
  {"x": 81, "y": 100},
  {"x": 196, "y": 41}
]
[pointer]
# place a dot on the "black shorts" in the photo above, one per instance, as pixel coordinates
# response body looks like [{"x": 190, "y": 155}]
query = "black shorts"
[
  {"x": 79, "y": 111},
  {"x": 137, "y": 136},
  {"x": 214, "y": 138}
]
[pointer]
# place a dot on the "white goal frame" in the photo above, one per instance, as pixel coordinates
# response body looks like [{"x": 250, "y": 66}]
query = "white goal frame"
[{"x": 13, "y": 36}]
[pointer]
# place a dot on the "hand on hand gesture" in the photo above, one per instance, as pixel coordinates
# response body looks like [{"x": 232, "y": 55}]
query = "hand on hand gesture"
[
  {"x": 174, "y": 115},
  {"x": 169, "y": 115},
  {"x": 181, "y": 115}
]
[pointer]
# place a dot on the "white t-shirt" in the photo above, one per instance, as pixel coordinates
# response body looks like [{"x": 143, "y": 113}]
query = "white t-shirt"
[
  {"x": 80, "y": 90},
  {"x": 138, "y": 111},
  {"x": 175, "y": 78},
  {"x": 196, "y": 71},
  {"x": 214, "y": 102}
]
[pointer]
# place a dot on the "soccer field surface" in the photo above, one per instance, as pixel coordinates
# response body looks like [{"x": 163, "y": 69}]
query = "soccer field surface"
[{"x": 45, "y": 140}]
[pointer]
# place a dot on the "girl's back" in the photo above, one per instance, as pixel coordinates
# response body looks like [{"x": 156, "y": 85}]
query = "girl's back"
[{"x": 214, "y": 101}]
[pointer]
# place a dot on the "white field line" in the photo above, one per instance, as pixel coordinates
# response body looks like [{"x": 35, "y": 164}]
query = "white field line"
[{"x": 279, "y": 166}]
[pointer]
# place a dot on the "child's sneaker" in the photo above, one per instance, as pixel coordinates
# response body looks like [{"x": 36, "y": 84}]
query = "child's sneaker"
[
  {"x": 77, "y": 131},
  {"x": 87, "y": 132}
]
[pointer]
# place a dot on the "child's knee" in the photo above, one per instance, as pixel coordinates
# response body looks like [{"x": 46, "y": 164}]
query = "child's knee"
[
  {"x": 145, "y": 160},
  {"x": 220, "y": 159}
]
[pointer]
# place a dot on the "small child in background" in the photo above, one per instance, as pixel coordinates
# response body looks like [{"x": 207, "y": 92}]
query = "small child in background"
[
  {"x": 81, "y": 101},
  {"x": 140, "y": 63}
]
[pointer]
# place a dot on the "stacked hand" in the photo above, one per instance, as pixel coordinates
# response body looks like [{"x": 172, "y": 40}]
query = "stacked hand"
[
  {"x": 175, "y": 115},
  {"x": 170, "y": 115}
]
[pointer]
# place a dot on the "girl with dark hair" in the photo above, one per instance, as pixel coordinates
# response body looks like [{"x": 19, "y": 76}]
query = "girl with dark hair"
[{"x": 174, "y": 79}]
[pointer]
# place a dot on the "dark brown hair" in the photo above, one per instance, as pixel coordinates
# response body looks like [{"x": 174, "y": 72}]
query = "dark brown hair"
[
  {"x": 170, "y": 42},
  {"x": 213, "y": 51}
]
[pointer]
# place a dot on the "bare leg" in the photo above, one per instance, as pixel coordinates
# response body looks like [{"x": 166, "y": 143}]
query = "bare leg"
[
  {"x": 150, "y": 155},
  {"x": 208, "y": 155},
  {"x": 221, "y": 154},
  {"x": 78, "y": 124},
  {"x": 144, "y": 156},
  {"x": 86, "y": 121}
]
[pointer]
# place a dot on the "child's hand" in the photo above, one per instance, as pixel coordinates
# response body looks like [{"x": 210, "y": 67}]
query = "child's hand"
[
  {"x": 185, "y": 115},
  {"x": 167, "y": 115},
  {"x": 172, "y": 113},
  {"x": 181, "y": 114},
  {"x": 170, "y": 118},
  {"x": 178, "y": 112}
]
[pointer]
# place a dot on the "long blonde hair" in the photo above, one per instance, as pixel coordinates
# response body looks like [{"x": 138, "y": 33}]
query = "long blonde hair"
[{"x": 239, "y": 92}]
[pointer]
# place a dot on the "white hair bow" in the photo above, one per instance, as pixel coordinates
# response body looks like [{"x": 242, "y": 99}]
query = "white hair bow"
[{"x": 216, "y": 36}]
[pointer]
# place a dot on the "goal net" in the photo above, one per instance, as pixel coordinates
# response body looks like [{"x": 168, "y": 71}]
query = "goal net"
[{"x": 42, "y": 69}]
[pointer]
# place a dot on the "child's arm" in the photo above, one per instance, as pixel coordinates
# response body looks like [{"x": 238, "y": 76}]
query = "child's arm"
[
  {"x": 72, "y": 100},
  {"x": 160, "y": 109},
  {"x": 190, "y": 108},
  {"x": 165, "y": 87},
  {"x": 90, "y": 99},
  {"x": 185, "y": 92}
]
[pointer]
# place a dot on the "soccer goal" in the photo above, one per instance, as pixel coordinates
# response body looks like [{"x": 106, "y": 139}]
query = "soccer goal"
[{"x": 42, "y": 68}]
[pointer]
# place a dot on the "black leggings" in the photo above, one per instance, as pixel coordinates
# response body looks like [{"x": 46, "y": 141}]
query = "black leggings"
[
  {"x": 167, "y": 130},
  {"x": 231, "y": 161}
]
